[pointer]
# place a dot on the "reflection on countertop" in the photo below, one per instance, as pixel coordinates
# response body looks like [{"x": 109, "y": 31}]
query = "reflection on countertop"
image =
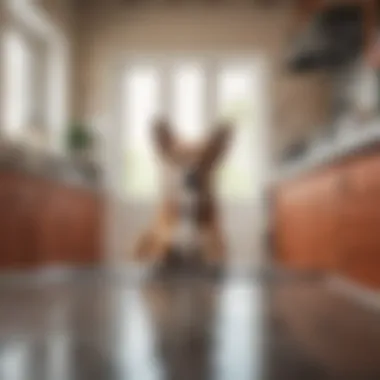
[{"x": 101, "y": 327}]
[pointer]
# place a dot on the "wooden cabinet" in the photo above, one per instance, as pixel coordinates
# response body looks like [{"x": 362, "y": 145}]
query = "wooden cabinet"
[
  {"x": 9, "y": 214},
  {"x": 330, "y": 220},
  {"x": 27, "y": 195},
  {"x": 71, "y": 227},
  {"x": 360, "y": 222},
  {"x": 307, "y": 221},
  {"x": 43, "y": 222}
]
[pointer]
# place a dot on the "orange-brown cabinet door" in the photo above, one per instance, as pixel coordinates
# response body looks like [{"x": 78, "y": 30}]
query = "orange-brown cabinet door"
[
  {"x": 327, "y": 204},
  {"x": 69, "y": 231},
  {"x": 25, "y": 230},
  {"x": 360, "y": 226},
  {"x": 289, "y": 232},
  {"x": 55, "y": 227},
  {"x": 308, "y": 212},
  {"x": 86, "y": 237},
  {"x": 8, "y": 219}
]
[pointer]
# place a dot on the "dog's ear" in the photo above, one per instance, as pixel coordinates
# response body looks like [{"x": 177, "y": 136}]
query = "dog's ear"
[
  {"x": 163, "y": 136},
  {"x": 218, "y": 143}
]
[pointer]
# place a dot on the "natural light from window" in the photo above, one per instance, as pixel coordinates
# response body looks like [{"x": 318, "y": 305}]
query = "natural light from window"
[
  {"x": 235, "y": 99},
  {"x": 188, "y": 101},
  {"x": 17, "y": 83},
  {"x": 142, "y": 98},
  {"x": 234, "y": 89}
]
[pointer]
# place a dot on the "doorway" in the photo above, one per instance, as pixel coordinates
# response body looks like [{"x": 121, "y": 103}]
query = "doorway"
[{"x": 194, "y": 91}]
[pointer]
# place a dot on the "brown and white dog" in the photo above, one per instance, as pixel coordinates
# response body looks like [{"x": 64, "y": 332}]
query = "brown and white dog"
[{"x": 187, "y": 222}]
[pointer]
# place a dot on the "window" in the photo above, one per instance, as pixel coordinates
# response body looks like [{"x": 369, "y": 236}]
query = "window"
[
  {"x": 32, "y": 78},
  {"x": 235, "y": 100},
  {"x": 188, "y": 101},
  {"x": 17, "y": 81},
  {"x": 141, "y": 85},
  {"x": 233, "y": 89}
]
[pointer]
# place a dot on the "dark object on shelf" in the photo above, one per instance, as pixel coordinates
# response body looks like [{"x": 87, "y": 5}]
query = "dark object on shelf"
[{"x": 333, "y": 39}]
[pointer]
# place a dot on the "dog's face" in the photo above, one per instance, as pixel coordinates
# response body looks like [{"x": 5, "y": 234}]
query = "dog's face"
[{"x": 188, "y": 168}]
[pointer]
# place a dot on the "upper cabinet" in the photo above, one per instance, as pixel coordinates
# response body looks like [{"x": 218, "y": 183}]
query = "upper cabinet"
[{"x": 330, "y": 34}]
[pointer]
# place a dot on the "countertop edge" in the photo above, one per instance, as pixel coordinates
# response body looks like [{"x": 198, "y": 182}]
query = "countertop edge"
[
  {"x": 325, "y": 154},
  {"x": 79, "y": 183}
]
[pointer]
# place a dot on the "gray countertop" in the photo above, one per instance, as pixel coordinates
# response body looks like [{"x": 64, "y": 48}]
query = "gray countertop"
[
  {"x": 65, "y": 170},
  {"x": 325, "y": 153}
]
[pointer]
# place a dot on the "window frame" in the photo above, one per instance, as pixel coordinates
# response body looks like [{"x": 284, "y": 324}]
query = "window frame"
[
  {"x": 210, "y": 62},
  {"x": 49, "y": 103}
]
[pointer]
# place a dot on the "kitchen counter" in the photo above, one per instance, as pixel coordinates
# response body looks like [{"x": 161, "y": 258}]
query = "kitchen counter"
[
  {"x": 323, "y": 154},
  {"x": 51, "y": 213},
  {"x": 325, "y": 211},
  {"x": 56, "y": 168}
]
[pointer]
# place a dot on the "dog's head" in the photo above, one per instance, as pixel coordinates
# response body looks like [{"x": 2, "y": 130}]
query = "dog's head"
[{"x": 188, "y": 168}]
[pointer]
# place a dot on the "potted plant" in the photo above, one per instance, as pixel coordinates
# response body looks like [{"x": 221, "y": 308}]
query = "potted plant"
[{"x": 79, "y": 140}]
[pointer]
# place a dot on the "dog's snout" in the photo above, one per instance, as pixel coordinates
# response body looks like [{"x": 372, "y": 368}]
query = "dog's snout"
[{"x": 192, "y": 180}]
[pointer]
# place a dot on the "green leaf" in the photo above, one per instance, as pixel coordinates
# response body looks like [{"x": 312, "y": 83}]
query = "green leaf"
[{"x": 79, "y": 137}]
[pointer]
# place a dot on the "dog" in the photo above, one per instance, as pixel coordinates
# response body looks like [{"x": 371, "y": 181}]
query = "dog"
[{"x": 187, "y": 225}]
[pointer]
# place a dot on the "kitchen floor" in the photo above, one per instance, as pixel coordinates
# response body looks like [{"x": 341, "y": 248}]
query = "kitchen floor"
[{"x": 103, "y": 327}]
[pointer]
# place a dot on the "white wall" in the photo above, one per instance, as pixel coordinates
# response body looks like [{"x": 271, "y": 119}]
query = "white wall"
[{"x": 105, "y": 33}]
